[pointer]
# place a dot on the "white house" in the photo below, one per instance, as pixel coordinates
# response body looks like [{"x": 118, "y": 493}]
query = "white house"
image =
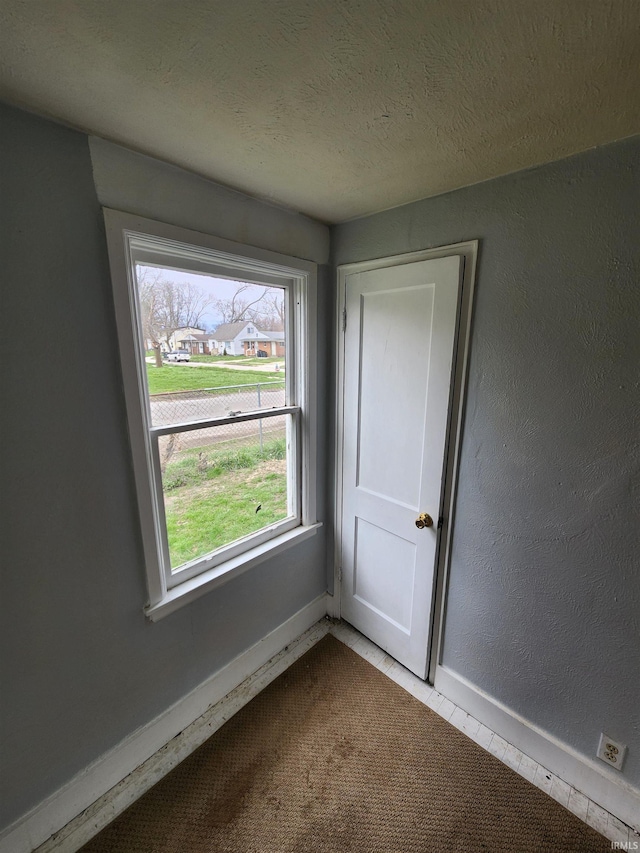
[
  {"x": 189, "y": 338},
  {"x": 244, "y": 338},
  {"x": 197, "y": 343}
]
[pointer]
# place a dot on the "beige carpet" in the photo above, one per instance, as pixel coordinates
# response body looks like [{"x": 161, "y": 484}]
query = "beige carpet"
[{"x": 333, "y": 756}]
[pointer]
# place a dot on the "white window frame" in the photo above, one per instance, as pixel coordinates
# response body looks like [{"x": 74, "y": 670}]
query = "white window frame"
[{"x": 132, "y": 239}]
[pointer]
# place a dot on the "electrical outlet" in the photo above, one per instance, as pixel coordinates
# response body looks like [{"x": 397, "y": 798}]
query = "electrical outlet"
[{"x": 611, "y": 751}]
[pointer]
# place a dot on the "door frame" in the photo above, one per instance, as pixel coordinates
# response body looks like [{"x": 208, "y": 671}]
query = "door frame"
[{"x": 468, "y": 251}]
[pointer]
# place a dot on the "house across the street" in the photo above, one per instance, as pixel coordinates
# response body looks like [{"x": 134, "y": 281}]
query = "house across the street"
[
  {"x": 191, "y": 338},
  {"x": 196, "y": 342},
  {"x": 244, "y": 338}
]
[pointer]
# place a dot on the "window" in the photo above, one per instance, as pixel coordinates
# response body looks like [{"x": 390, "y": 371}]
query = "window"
[{"x": 223, "y": 453}]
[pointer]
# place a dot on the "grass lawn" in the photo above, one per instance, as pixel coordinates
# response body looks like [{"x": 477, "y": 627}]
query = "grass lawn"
[
  {"x": 237, "y": 359},
  {"x": 178, "y": 378},
  {"x": 212, "y": 494}
]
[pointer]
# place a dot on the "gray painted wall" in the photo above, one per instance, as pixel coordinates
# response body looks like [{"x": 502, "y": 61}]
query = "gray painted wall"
[
  {"x": 138, "y": 184},
  {"x": 545, "y": 593},
  {"x": 81, "y": 667},
  {"x": 544, "y": 596}
]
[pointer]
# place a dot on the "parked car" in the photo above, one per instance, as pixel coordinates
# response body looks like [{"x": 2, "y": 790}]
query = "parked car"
[
  {"x": 262, "y": 353},
  {"x": 177, "y": 355}
]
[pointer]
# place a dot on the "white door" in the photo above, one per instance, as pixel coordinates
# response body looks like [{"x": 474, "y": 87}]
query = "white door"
[{"x": 399, "y": 341}]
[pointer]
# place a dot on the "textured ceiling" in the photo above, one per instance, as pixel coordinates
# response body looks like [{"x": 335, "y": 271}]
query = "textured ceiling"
[{"x": 331, "y": 107}]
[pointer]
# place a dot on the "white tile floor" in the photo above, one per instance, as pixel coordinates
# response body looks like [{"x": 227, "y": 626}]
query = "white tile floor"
[{"x": 588, "y": 811}]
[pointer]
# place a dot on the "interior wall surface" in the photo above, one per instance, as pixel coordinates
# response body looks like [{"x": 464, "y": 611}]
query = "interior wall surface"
[
  {"x": 81, "y": 666},
  {"x": 543, "y": 603},
  {"x": 126, "y": 180}
]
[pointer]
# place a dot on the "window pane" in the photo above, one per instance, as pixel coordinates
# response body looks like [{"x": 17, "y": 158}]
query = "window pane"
[
  {"x": 185, "y": 406},
  {"x": 211, "y": 345},
  {"x": 223, "y": 483}
]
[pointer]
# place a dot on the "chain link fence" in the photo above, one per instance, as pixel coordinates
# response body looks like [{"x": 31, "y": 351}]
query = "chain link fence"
[
  {"x": 178, "y": 407},
  {"x": 184, "y": 406}
]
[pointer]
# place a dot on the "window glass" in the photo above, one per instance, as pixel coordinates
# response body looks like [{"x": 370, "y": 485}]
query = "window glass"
[
  {"x": 223, "y": 483},
  {"x": 227, "y": 481}
]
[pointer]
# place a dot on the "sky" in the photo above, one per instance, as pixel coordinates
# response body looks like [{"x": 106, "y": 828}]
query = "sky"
[{"x": 216, "y": 288}]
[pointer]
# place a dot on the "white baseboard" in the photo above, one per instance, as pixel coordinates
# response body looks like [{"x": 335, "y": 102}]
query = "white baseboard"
[
  {"x": 118, "y": 774},
  {"x": 603, "y": 786}
]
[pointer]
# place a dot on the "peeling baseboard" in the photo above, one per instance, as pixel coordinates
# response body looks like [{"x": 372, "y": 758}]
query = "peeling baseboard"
[
  {"x": 599, "y": 784},
  {"x": 80, "y": 809}
]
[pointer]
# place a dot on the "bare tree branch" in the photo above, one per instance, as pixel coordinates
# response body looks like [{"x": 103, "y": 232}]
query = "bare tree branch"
[
  {"x": 166, "y": 307},
  {"x": 239, "y": 308},
  {"x": 266, "y": 310}
]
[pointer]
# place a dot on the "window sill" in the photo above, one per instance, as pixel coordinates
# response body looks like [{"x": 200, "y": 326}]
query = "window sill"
[{"x": 201, "y": 584}]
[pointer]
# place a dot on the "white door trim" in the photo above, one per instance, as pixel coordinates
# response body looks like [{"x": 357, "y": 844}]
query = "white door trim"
[{"x": 468, "y": 251}]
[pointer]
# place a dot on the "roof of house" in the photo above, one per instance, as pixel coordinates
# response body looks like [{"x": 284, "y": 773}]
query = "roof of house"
[
  {"x": 228, "y": 331},
  {"x": 189, "y": 329}
]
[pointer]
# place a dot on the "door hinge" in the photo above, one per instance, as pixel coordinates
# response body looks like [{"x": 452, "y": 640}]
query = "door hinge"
[
  {"x": 440, "y": 522},
  {"x": 344, "y": 319},
  {"x": 340, "y": 574}
]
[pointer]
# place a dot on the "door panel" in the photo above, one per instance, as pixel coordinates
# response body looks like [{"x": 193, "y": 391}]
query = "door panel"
[
  {"x": 398, "y": 358},
  {"x": 390, "y": 400},
  {"x": 373, "y": 584}
]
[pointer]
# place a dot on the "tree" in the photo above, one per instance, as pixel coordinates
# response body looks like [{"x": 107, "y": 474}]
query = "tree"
[
  {"x": 272, "y": 313},
  {"x": 238, "y": 307},
  {"x": 266, "y": 310},
  {"x": 167, "y": 306}
]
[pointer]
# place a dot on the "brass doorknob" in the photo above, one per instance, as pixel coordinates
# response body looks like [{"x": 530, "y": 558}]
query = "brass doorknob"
[{"x": 424, "y": 520}]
